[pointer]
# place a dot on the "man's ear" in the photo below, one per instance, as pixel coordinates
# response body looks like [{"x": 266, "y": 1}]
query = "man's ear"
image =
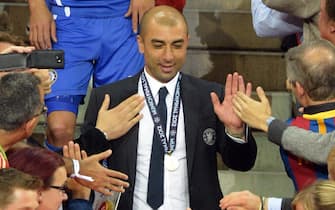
[
  {"x": 332, "y": 26},
  {"x": 300, "y": 89},
  {"x": 30, "y": 125},
  {"x": 140, "y": 43}
]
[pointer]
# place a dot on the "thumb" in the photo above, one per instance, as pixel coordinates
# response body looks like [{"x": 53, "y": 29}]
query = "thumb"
[
  {"x": 261, "y": 95},
  {"x": 105, "y": 103},
  {"x": 103, "y": 155},
  {"x": 215, "y": 99}
]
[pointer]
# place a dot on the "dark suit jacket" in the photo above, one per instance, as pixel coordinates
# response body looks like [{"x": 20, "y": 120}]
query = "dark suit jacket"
[{"x": 204, "y": 189}]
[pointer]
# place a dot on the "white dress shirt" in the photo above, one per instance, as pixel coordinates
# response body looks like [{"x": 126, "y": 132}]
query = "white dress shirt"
[{"x": 176, "y": 195}]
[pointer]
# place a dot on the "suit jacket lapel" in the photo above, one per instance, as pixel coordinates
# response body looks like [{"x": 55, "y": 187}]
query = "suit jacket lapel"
[{"x": 191, "y": 106}]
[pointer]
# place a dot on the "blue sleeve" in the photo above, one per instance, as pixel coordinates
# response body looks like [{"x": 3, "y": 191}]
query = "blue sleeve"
[{"x": 75, "y": 204}]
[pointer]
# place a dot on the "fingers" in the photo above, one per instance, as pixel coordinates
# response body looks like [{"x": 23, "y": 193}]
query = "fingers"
[
  {"x": 135, "y": 20},
  {"x": 133, "y": 104},
  {"x": 83, "y": 154},
  {"x": 131, "y": 108},
  {"x": 128, "y": 12},
  {"x": 18, "y": 49},
  {"x": 102, "y": 155},
  {"x": 228, "y": 88},
  {"x": 237, "y": 109},
  {"x": 215, "y": 100},
  {"x": 77, "y": 152},
  {"x": 65, "y": 151},
  {"x": 45, "y": 41},
  {"x": 134, "y": 120},
  {"x": 241, "y": 86},
  {"x": 261, "y": 95},
  {"x": 235, "y": 83},
  {"x": 71, "y": 150},
  {"x": 118, "y": 175},
  {"x": 239, "y": 100},
  {"x": 33, "y": 37},
  {"x": 105, "y": 103},
  {"x": 53, "y": 31},
  {"x": 249, "y": 89}
]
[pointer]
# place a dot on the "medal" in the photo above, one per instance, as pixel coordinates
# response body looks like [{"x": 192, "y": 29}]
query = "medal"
[{"x": 171, "y": 163}]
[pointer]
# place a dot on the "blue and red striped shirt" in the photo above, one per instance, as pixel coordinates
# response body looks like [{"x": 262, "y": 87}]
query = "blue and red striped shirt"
[{"x": 319, "y": 119}]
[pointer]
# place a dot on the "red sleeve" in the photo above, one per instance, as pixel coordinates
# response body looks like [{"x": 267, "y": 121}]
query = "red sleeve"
[{"x": 178, "y": 4}]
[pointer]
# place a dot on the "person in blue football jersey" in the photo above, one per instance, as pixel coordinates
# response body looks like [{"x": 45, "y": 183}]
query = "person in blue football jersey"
[{"x": 99, "y": 39}]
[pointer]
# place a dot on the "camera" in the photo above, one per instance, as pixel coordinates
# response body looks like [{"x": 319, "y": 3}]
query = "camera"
[{"x": 40, "y": 59}]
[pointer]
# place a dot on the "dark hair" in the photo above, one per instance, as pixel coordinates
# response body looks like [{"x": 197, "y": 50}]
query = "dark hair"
[
  {"x": 36, "y": 161},
  {"x": 19, "y": 99},
  {"x": 5, "y": 23},
  {"x": 330, "y": 8},
  {"x": 12, "y": 179}
]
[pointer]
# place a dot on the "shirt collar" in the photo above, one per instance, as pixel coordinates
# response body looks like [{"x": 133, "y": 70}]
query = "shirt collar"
[
  {"x": 155, "y": 85},
  {"x": 319, "y": 108}
]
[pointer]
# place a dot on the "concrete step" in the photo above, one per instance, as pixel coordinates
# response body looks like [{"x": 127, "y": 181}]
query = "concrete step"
[
  {"x": 226, "y": 29},
  {"x": 267, "y": 178},
  {"x": 268, "y": 156},
  {"x": 218, "y": 5},
  {"x": 225, "y": 24},
  {"x": 269, "y": 184},
  {"x": 261, "y": 68}
]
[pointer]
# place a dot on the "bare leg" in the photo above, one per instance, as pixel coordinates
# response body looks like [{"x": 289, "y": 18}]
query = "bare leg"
[{"x": 61, "y": 125}]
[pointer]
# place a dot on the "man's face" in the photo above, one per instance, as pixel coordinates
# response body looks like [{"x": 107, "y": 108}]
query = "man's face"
[
  {"x": 164, "y": 49},
  {"x": 324, "y": 22},
  {"x": 24, "y": 200}
]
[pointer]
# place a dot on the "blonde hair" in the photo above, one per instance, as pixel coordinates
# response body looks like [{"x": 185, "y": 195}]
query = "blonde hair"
[{"x": 318, "y": 196}]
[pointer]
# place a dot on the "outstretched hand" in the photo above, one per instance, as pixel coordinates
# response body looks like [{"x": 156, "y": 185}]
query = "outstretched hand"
[
  {"x": 105, "y": 179},
  {"x": 18, "y": 49},
  {"x": 224, "y": 110},
  {"x": 244, "y": 200},
  {"x": 254, "y": 113},
  {"x": 117, "y": 121},
  {"x": 73, "y": 151}
]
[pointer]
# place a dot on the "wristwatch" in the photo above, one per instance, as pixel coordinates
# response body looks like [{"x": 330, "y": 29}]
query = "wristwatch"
[{"x": 269, "y": 120}]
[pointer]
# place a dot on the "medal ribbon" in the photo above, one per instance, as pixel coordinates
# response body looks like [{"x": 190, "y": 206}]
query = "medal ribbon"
[{"x": 169, "y": 145}]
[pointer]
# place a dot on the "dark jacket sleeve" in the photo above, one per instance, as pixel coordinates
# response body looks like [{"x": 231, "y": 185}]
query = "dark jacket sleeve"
[
  {"x": 235, "y": 155},
  {"x": 91, "y": 139},
  {"x": 286, "y": 204},
  {"x": 239, "y": 156},
  {"x": 276, "y": 130}
]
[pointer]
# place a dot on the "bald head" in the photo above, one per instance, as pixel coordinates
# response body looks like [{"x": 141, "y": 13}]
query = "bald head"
[
  {"x": 162, "y": 15},
  {"x": 313, "y": 66}
]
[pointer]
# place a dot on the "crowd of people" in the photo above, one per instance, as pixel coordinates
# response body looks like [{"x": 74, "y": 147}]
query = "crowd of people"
[{"x": 152, "y": 132}]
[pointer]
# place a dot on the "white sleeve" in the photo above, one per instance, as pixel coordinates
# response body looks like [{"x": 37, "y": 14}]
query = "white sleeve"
[{"x": 268, "y": 22}]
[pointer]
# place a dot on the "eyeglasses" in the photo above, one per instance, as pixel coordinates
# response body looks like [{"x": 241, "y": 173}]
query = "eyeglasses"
[
  {"x": 63, "y": 188},
  {"x": 43, "y": 110}
]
